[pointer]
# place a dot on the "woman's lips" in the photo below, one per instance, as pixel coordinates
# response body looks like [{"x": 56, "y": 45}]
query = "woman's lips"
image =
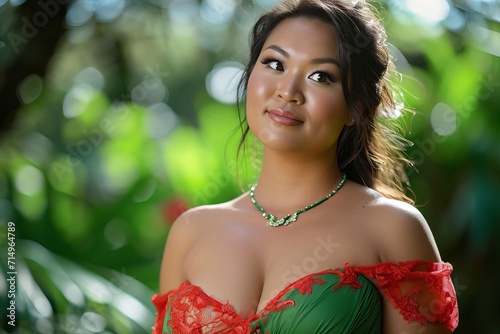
[{"x": 284, "y": 117}]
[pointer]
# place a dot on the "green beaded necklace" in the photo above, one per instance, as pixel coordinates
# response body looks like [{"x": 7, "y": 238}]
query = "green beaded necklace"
[{"x": 291, "y": 218}]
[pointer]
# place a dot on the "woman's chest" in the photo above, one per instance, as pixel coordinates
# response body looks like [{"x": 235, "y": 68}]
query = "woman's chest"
[{"x": 248, "y": 265}]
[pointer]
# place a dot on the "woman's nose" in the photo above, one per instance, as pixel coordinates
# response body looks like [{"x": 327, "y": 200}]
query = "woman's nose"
[{"x": 289, "y": 90}]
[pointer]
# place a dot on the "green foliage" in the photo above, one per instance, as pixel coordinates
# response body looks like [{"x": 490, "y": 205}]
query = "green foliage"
[
  {"x": 123, "y": 137},
  {"x": 56, "y": 295}
]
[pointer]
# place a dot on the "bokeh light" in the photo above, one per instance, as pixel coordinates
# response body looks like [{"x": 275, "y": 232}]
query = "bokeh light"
[
  {"x": 429, "y": 10},
  {"x": 222, "y": 81},
  {"x": 29, "y": 180},
  {"x": 443, "y": 119},
  {"x": 30, "y": 88}
]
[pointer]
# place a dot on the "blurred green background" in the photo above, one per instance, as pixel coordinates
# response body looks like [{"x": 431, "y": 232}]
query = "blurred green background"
[{"x": 118, "y": 115}]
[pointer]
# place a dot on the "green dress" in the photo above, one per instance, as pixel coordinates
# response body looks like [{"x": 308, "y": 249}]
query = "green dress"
[
  {"x": 335, "y": 301},
  {"x": 326, "y": 310}
]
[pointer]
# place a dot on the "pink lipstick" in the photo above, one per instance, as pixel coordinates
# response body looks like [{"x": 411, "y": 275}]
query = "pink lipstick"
[{"x": 284, "y": 117}]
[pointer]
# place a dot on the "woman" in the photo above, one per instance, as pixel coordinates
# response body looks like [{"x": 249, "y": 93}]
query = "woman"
[{"x": 325, "y": 241}]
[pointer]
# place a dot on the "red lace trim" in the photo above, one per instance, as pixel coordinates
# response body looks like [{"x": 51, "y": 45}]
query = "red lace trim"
[
  {"x": 193, "y": 311},
  {"x": 160, "y": 302},
  {"x": 422, "y": 291},
  {"x": 303, "y": 285},
  {"x": 347, "y": 276}
]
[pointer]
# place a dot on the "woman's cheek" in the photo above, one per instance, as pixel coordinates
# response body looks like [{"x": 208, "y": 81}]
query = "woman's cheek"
[
  {"x": 256, "y": 94},
  {"x": 256, "y": 86}
]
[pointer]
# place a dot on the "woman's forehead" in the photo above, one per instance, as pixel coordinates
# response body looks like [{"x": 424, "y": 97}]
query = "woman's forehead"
[{"x": 296, "y": 34}]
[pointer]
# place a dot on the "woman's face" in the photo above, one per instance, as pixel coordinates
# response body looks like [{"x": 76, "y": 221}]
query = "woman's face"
[{"x": 295, "y": 100}]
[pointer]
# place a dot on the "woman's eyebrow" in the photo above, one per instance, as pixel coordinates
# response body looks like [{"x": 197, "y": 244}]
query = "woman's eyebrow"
[
  {"x": 313, "y": 61},
  {"x": 325, "y": 60},
  {"x": 279, "y": 50}
]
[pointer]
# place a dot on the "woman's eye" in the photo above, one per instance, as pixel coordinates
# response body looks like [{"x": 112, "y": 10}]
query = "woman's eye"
[
  {"x": 320, "y": 77},
  {"x": 273, "y": 64}
]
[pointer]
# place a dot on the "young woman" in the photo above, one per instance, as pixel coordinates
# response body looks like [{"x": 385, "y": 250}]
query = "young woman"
[{"x": 325, "y": 241}]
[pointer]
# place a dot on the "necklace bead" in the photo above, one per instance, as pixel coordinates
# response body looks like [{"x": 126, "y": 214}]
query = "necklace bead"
[{"x": 291, "y": 218}]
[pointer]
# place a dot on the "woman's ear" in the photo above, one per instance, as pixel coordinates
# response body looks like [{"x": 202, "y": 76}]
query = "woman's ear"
[{"x": 350, "y": 118}]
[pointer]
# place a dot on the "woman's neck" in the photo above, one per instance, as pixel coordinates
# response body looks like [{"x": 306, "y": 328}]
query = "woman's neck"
[{"x": 300, "y": 180}]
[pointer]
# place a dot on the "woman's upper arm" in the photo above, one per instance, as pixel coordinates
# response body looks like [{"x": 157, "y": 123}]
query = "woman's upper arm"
[
  {"x": 394, "y": 323},
  {"x": 405, "y": 236},
  {"x": 178, "y": 240}
]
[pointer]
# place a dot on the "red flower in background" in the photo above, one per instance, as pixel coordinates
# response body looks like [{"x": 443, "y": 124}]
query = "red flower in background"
[{"x": 173, "y": 208}]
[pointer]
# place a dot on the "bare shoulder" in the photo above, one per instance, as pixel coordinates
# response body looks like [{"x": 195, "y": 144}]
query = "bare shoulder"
[
  {"x": 399, "y": 229},
  {"x": 193, "y": 221},
  {"x": 187, "y": 230},
  {"x": 399, "y": 232}
]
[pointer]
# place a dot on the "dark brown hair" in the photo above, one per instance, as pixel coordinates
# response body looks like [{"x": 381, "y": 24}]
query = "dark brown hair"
[{"x": 369, "y": 151}]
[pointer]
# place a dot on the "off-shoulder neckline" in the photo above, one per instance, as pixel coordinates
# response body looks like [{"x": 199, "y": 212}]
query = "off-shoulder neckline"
[{"x": 365, "y": 270}]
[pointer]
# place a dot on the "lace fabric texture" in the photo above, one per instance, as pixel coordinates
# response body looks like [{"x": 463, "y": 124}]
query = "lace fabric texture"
[
  {"x": 422, "y": 291},
  {"x": 189, "y": 310}
]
